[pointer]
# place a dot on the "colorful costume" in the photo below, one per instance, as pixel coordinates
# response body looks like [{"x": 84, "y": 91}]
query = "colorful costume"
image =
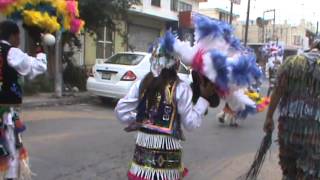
[
  {"x": 14, "y": 64},
  {"x": 299, "y": 121},
  {"x": 158, "y": 152},
  {"x": 48, "y": 15},
  {"x": 219, "y": 55},
  {"x": 274, "y": 54}
]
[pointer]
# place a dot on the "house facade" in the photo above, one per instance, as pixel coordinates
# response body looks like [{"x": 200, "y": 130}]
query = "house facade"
[{"x": 146, "y": 22}]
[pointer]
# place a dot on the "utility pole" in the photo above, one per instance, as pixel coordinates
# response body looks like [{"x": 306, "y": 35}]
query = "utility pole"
[
  {"x": 274, "y": 24},
  {"x": 247, "y": 24},
  {"x": 317, "y": 28},
  {"x": 231, "y": 12},
  {"x": 263, "y": 28},
  {"x": 58, "y": 80}
]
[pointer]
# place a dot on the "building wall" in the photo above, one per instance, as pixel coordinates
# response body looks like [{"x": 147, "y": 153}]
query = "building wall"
[
  {"x": 213, "y": 13},
  {"x": 89, "y": 50},
  {"x": 144, "y": 15},
  {"x": 164, "y": 11},
  {"x": 291, "y": 36},
  {"x": 119, "y": 46}
]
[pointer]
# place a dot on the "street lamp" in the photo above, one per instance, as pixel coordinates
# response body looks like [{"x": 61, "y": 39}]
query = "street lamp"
[{"x": 274, "y": 23}]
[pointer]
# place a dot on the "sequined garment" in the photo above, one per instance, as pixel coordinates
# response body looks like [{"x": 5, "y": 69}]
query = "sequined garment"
[{"x": 158, "y": 150}]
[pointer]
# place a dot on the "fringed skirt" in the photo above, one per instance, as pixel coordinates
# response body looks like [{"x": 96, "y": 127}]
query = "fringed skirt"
[
  {"x": 13, "y": 156},
  {"x": 299, "y": 141},
  {"x": 156, "y": 157}
]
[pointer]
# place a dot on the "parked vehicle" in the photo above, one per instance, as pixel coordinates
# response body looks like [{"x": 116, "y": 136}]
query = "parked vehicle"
[{"x": 114, "y": 77}]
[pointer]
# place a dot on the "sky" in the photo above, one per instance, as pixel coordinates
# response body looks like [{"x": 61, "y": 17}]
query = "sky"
[{"x": 291, "y": 10}]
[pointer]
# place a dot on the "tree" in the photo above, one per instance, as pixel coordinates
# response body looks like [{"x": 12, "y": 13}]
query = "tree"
[{"x": 97, "y": 13}]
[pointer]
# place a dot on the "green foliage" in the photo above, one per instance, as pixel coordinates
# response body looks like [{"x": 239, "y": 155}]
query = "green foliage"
[
  {"x": 97, "y": 13},
  {"x": 75, "y": 76},
  {"x": 41, "y": 83}
]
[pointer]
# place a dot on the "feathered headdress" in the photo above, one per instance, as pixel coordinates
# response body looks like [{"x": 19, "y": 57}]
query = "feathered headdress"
[
  {"x": 48, "y": 15},
  {"x": 219, "y": 55},
  {"x": 272, "y": 49},
  {"x": 163, "y": 55}
]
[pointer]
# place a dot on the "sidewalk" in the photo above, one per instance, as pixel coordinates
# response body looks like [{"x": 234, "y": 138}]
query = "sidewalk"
[{"x": 48, "y": 99}]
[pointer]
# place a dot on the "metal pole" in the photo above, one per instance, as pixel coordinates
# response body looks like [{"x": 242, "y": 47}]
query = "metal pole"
[
  {"x": 58, "y": 67},
  {"x": 263, "y": 28},
  {"x": 247, "y": 24},
  {"x": 274, "y": 23},
  {"x": 231, "y": 12},
  {"x": 317, "y": 28}
]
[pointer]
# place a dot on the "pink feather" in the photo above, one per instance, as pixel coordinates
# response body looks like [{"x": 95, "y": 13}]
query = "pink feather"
[
  {"x": 197, "y": 63},
  {"x": 5, "y": 3},
  {"x": 72, "y": 7},
  {"x": 76, "y": 25}
]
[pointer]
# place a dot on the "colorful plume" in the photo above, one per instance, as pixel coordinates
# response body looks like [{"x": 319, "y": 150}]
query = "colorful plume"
[{"x": 49, "y": 15}]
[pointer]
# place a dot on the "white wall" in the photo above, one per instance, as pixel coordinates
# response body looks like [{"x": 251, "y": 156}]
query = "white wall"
[{"x": 164, "y": 11}]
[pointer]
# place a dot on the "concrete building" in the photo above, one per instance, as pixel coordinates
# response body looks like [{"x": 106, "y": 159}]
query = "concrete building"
[
  {"x": 146, "y": 22},
  {"x": 293, "y": 36},
  {"x": 220, "y": 14}
]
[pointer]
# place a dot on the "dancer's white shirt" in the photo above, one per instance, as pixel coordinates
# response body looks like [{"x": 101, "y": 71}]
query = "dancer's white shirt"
[
  {"x": 191, "y": 115},
  {"x": 24, "y": 64},
  {"x": 29, "y": 66}
]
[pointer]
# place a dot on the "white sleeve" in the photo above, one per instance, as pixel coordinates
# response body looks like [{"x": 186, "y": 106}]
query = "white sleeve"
[
  {"x": 27, "y": 65},
  {"x": 191, "y": 115},
  {"x": 126, "y": 108}
]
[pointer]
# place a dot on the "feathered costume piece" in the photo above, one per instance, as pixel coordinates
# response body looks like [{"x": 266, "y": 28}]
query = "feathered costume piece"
[
  {"x": 219, "y": 55},
  {"x": 48, "y": 15},
  {"x": 272, "y": 49}
]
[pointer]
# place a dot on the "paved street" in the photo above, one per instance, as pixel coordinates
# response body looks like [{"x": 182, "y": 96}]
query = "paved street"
[{"x": 86, "y": 142}]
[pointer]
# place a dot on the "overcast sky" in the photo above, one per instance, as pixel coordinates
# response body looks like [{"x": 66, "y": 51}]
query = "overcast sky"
[{"x": 291, "y": 10}]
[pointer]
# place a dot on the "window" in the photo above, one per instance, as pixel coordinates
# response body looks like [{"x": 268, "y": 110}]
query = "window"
[
  {"x": 125, "y": 59},
  {"x": 297, "y": 40},
  {"x": 104, "y": 43},
  {"x": 174, "y": 5},
  {"x": 184, "y": 7},
  {"x": 156, "y": 3},
  {"x": 223, "y": 17}
]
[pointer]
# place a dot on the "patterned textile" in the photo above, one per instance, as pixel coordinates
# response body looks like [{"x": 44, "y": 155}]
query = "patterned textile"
[
  {"x": 299, "y": 121},
  {"x": 163, "y": 117},
  {"x": 156, "y": 157},
  {"x": 11, "y": 126}
]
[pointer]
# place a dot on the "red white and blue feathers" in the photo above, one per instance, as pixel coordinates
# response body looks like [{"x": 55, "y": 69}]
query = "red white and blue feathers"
[{"x": 219, "y": 55}]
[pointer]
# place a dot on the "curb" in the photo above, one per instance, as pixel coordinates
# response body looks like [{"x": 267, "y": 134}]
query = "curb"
[{"x": 57, "y": 101}]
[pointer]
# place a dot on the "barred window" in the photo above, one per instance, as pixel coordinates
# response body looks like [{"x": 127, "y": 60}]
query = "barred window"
[
  {"x": 174, "y": 5},
  {"x": 184, "y": 7},
  {"x": 104, "y": 43}
]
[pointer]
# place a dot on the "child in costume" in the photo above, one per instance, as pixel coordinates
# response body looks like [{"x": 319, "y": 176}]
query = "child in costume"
[
  {"x": 158, "y": 107},
  {"x": 14, "y": 64}
]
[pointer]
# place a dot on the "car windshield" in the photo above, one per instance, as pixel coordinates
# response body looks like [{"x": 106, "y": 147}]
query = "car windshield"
[{"x": 125, "y": 59}]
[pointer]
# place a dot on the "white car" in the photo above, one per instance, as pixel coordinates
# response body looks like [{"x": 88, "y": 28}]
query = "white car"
[{"x": 114, "y": 77}]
